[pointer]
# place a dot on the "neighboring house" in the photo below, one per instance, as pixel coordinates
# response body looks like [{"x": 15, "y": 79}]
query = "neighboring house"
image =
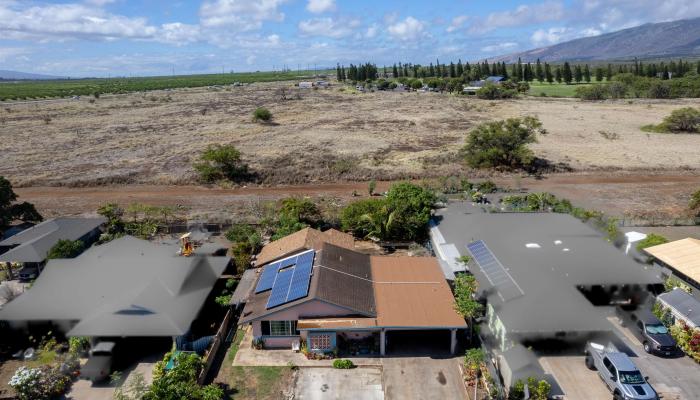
[
  {"x": 474, "y": 86},
  {"x": 681, "y": 259},
  {"x": 31, "y": 246},
  {"x": 545, "y": 276},
  {"x": 326, "y": 295},
  {"x": 497, "y": 79},
  {"x": 682, "y": 305},
  {"x": 305, "y": 239},
  {"x": 306, "y": 85},
  {"x": 128, "y": 287}
]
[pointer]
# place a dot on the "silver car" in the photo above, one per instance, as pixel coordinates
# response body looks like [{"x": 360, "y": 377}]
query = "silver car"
[{"x": 619, "y": 373}]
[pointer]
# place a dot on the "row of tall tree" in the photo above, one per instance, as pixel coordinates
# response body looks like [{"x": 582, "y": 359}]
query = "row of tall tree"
[{"x": 520, "y": 71}]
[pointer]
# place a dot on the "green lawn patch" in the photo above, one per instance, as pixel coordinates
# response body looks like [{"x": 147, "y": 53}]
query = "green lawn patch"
[
  {"x": 554, "y": 89},
  {"x": 252, "y": 383},
  {"x": 651, "y": 128}
]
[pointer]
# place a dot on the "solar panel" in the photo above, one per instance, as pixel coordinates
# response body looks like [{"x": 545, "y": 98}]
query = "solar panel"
[
  {"x": 495, "y": 272},
  {"x": 280, "y": 288},
  {"x": 267, "y": 277},
  {"x": 302, "y": 276}
]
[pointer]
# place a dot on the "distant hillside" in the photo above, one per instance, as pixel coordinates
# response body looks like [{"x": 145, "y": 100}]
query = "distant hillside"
[
  {"x": 662, "y": 40},
  {"x": 12, "y": 75}
]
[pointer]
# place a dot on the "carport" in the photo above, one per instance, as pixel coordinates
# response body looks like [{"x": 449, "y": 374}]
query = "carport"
[{"x": 420, "y": 341}]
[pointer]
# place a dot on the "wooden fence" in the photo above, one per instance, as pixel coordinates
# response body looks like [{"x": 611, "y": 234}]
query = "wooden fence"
[{"x": 219, "y": 338}]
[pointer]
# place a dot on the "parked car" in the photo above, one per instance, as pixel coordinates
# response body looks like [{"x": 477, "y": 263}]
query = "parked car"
[
  {"x": 99, "y": 363},
  {"x": 619, "y": 373},
  {"x": 28, "y": 273},
  {"x": 649, "y": 330}
]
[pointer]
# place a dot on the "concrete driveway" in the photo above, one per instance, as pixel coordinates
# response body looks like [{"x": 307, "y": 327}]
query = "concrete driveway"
[
  {"x": 575, "y": 380},
  {"x": 422, "y": 378},
  {"x": 339, "y": 384},
  {"x": 674, "y": 378},
  {"x": 86, "y": 390}
]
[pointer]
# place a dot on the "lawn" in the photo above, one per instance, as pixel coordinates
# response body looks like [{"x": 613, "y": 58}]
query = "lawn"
[
  {"x": 252, "y": 383},
  {"x": 554, "y": 89}
]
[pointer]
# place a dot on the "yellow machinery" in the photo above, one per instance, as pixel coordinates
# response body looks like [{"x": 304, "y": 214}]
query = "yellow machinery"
[{"x": 186, "y": 245}]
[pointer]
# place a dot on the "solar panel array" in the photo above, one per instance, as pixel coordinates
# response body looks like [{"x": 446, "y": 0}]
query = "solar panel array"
[
  {"x": 289, "y": 279},
  {"x": 497, "y": 275}
]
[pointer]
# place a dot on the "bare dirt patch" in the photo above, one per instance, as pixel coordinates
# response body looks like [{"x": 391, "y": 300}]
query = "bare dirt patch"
[{"x": 325, "y": 136}]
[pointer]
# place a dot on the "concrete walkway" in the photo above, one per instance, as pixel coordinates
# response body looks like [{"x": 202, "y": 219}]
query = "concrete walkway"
[{"x": 247, "y": 356}]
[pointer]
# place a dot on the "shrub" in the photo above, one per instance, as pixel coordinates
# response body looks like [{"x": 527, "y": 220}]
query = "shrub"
[
  {"x": 694, "y": 204},
  {"x": 659, "y": 90},
  {"x": 78, "y": 344},
  {"x": 371, "y": 187},
  {"x": 181, "y": 381},
  {"x": 343, "y": 364},
  {"x": 651, "y": 240},
  {"x": 502, "y": 144},
  {"x": 221, "y": 162},
  {"x": 617, "y": 90},
  {"x": 592, "y": 92},
  {"x": 39, "y": 383},
  {"x": 262, "y": 114},
  {"x": 66, "y": 249},
  {"x": 354, "y": 217},
  {"x": 683, "y": 120},
  {"x": 491, "y": 91},
  {"x": 10, "y": 211}
]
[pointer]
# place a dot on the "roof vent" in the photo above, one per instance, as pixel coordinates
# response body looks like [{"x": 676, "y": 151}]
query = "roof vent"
[
  {"x": 533, "y": 246},
  {"x": 557, "y": 242}
]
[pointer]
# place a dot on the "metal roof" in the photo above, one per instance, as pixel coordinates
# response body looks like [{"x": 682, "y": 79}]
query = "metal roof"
[
  {"x": 244, "y": 287},
  {"x": 570, "y": 253},
  {"x": 682, "y": 255},
  {"x": 127, "y": 287},
  {"x": 34, "y": 243},
  {"x": 683, "y": 304}
]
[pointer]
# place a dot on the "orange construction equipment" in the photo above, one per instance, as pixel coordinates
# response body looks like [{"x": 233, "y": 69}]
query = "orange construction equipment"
[{"x": 187, "y": 247}]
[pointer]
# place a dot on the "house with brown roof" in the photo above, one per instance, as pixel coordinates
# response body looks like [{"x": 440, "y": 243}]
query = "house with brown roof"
[
  {"x": 305, "y": 239},
  {"x": 328, "y": 296},
  {"x": 681, "y": 259}
]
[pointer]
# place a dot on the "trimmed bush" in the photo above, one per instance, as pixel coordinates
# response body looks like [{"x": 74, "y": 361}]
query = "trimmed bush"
[
  {"x": 221, "y": 162},
  {"x": 343, "y": 364},
  {"x": 683, "y": 120},
  {"x": 262, "y": 114}
]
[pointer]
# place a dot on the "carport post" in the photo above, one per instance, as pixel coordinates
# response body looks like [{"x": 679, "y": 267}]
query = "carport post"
[
  {"x": 453, "y": 341},
  {"x": 382, "y": 342}
]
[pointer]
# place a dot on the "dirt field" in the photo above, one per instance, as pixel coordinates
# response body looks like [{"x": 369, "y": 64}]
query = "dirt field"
[{"x": 325, "y": 136}]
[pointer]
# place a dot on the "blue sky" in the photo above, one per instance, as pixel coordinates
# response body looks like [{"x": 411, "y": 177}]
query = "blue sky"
[{"x": 151, "y": 37}]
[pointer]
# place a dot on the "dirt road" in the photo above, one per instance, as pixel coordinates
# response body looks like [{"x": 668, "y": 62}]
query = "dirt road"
[{"x": 612, "y": 193}]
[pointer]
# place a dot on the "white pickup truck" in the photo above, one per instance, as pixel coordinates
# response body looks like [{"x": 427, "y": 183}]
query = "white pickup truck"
[{"x": 619, "y": 373}]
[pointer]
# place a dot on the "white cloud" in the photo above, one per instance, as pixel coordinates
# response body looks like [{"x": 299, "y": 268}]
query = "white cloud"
[
  {"x": 457, "y": 22},
  {"x": 550, "y": 36},
  {"x": 328, "y": 27},
  {"x": 320, "y": 6},
  {"x": 521, "y": 15},
  {"x": 179, "y": 34},
  {"x": 99, "y": 2},
  {"x": 240, "y": 15},
  {"x": 250, "y": 60},
  {"x": 408, "y": 29},
  {"x": 371, "y": 31},
  {"x": 499, "y": 48},
  {"x": 10, "y": 53}
]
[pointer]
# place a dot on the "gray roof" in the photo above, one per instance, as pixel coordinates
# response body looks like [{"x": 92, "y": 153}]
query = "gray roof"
[
  {"x": 34, "y": 243},
  {"x": 245, "y": 287},
  {"x": 127, "y": 287},
  {"x": 683, "y": 304},
  {"x": 571, "y": 253}
]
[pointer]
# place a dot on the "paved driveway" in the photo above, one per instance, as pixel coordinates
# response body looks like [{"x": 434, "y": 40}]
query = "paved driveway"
[
  {"x": 673, "y": 378},
  {"x": 85, "y": 390},
  {"x": 422, "y": 378},
  {"x": 339, "y": 384},
  {"x": 575, "y": 380}
]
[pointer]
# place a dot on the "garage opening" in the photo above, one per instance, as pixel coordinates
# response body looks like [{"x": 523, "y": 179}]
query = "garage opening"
[{"x": 418, "y": 342}]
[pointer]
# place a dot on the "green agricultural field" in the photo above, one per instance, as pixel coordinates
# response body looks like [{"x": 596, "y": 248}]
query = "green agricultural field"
[
  {"x": 554, "y": 89},
  {"x": 27, "y": 90}
]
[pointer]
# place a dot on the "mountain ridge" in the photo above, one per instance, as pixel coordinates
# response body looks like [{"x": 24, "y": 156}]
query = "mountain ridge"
[
  {"x": 680, "y": 38},
  {"x": 17, "y": 75}
]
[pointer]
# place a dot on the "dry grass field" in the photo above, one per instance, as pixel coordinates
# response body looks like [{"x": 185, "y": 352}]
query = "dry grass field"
[{"x": 317, "y": 135}]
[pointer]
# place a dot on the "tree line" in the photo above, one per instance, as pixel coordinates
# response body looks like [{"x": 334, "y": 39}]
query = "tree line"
[{"x": 521, "y": 71}]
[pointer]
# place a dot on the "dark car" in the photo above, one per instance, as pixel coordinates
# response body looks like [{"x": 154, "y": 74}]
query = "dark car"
[
  {"x": 650, "y": 331},
  {"x": 28, "y": 273}
]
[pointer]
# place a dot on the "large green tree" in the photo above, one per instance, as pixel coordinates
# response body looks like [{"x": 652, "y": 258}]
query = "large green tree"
[
  {"x": 502, "y": 144},
  {"x": 10, "y": 210}
]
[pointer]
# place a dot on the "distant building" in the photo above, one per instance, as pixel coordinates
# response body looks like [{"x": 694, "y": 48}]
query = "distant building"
[{"x": 306, "y": 85}]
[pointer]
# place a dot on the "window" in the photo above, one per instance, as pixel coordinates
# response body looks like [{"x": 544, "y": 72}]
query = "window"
[
  {"x": 279, "y": 328},
  {"x": 321, "y": 342}
]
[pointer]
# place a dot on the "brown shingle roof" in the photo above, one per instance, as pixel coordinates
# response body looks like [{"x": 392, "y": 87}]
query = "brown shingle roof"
[
  {"x": 307, "y": 238},
  {"x": 333, "y": 280},
  {"x": 412, "y": 292}
]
